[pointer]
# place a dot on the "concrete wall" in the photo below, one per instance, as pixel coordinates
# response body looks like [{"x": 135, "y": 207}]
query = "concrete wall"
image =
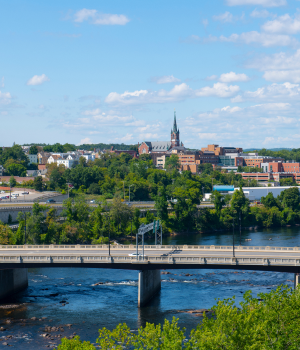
[
  {"x": 13, "y": 211},
  {"x": 12, "y": 281},
  {"x": 149, "y": 285}
]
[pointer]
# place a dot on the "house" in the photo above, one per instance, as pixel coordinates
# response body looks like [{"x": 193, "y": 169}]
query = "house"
[
  {"x": 33, "y": 159},
  {"x": 68, "y": 161},
  {"x": 53, "y": 158},
  {"x": 43, "y": 157}
]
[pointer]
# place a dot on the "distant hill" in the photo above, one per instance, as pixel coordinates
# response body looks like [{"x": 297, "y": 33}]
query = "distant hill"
[
  {"x": 116, "y": 146},
  {"x": 268, "y": 149}
]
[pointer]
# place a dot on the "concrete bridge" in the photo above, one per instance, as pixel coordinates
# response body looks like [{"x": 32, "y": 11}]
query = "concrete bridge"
[{"x": 15, "y": 260}]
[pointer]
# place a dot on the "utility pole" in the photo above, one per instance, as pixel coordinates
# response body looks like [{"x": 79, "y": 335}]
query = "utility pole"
[
  {"x": 25, "y": 228},
  {"x": 129, "y": 192},
  {"x": 10, "y": 193},
  {"x": 240, "y": 229},
  {"x": 108, "y": 235},
  {"x": 233, "y": 237},
  {"x": 124, "y": 190}
]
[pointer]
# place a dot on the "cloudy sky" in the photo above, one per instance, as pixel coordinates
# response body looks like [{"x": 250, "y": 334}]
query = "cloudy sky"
[{"x": 113, "y": 71}]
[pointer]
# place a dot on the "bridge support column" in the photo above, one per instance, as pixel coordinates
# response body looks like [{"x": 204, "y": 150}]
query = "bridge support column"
[
  {"x": 12, "y": 281},
  {"x": 296, "y": 280},
  {"x": 149, "y": 285}
]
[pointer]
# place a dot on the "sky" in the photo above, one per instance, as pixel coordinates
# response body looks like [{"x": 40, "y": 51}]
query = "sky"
[{"x": 114, "y": 71}]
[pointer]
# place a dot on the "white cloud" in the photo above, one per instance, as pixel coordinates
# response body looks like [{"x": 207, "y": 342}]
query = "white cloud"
[
  {"x": 2, "y": 82},
  {"x": 205, "y": 22},
  {"x": 231, "y": 109},
  {"x": 219, "y": 90},
  {"x": 207, "y": 135},
  {"x": 5, "y": 98},
  {"x": 86, "y": 141},
  {"x": 277, "y": 120},
  {"x": 148, "y": 136},
  {"x": 283, "y": 75},
  {"x": 283, "y": 24},
  {"x": 231, "y": 77},
  {"x": 92, "y": 112},
  {"x": 260, "y": 13},
  {"x": 37, "y": 80},
  {"x": 264, "y": 39},
  {"x": 128, "y": 137},
  {"x": 98, "y": 18},
  {"x": 166, "y": 79},
  {"x": 275, "y": 92},
  {"x": 212, "y": 77},
  {"x": 177, "y": 93},
  {"x": 224, "y": 17},
  {"x": 277, "y": 61},
  {"x": 265, "y": 3}
]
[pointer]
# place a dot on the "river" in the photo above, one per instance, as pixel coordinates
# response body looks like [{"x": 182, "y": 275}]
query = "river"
[{"x": 60, "y": 296}]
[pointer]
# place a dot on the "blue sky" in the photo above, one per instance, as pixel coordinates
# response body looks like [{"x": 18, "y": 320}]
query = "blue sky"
[{"x": 113, "y": 71}]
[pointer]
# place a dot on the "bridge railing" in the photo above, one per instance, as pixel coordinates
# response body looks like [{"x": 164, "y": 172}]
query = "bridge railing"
[
  {"x": 169, "y": 260},
  {"x": 152, "y": 247}
]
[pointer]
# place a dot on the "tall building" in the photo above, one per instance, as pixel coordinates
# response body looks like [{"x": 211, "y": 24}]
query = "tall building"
[{"x": 175, "y": 139}]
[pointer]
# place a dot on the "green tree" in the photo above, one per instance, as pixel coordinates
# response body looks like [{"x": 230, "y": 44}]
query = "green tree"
[
  {"x": 290, "y": 198},
  {"x": 16, "y": 170},
  {"x": 269, "y": 201},
  {"x": 38, "y": 183},
  {"x": 12, "y": 181},
  {"x": 172, "y": 163},
  {"x": 218, "y": 201},
  {"x": 33, "y": 150},
  {"x": 75, "y": 344},
  {"x": 161, "y": 204},
  {"x": 240, "y": 204}
]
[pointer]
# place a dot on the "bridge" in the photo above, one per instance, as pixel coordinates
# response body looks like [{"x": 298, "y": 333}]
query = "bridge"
[{"x": 15, "y": 260}]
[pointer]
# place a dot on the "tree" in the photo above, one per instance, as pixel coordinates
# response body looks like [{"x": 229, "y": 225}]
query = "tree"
[
  {"x": 218, "y": 201},
  {"x": 290, "y": 198},
  {"x": 33, "y": 150},
  {"x": 38, "y": 183},
  {"x": 161, "y": 204},
  {"x": 6, "y": 234},
  {"x": 269, "y": 201},
  {"x": 94, "y": 189},
  {"x": 16, "y": 170},
  {"x": 239, "y": 203},
  {"x": 172, "y": 163},
  {"x": 12, "y": 181},
  {"x": 205, "y": 168}
]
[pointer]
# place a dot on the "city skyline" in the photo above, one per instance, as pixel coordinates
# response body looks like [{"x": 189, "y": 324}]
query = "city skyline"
[{"x": 85, "y": 72}]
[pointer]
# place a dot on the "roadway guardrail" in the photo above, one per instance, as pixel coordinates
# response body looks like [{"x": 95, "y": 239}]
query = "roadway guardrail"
[
  {"x": 152, "y": 247},
  {"x": 81, "y": 259}
]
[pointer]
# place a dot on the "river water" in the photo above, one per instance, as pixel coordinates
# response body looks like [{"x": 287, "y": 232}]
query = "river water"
[{"x": 61, "y": 296}]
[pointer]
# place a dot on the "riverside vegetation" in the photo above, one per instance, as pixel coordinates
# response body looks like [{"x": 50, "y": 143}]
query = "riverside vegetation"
[
  {"x": 270, "y": 321},
  {"x": 79, "y": 223}
]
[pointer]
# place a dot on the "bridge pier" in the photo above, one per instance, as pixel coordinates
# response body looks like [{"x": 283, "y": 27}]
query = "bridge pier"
[
  {"x": 149, "y": 285},
  {"x": 296, "y": 280},
  {"x": 12, "y": 281}
]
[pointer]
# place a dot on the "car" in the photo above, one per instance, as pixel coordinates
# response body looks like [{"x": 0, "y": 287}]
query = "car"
[
  {"x": 25, "y": 193},
  {"x": 50, "y": 200},
  {"x": 15, "y": 194},
  {"x": 2, "y": 191},
  {"x": 93, "y": 201},
  {"x": 134, "y": 254}
]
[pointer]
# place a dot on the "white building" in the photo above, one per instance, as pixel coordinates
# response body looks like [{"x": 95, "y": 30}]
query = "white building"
[{"x": 88, "y": 157}]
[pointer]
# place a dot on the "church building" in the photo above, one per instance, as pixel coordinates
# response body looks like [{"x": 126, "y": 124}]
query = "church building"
[{"x": 161, "y": 147}]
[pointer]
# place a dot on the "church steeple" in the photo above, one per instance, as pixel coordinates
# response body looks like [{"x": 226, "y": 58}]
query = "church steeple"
[
  {"x": 175, "y": 124},
  {"x": 175, "y": 133}
]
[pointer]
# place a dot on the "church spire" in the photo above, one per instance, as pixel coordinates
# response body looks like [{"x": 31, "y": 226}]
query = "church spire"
[{"x": 175, "y": 124}]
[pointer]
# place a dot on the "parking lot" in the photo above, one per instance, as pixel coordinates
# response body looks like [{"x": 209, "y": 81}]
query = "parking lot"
[{"x": 17, "y": 196}]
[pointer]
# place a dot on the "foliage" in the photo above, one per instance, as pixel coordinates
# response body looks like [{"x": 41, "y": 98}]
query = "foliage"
[
  {"x": 270, "y": 321},
  {"x": 33, "y": 150},
  {"x": 15, "y": 154},
  {"x": 172, "y": 163},
  {"x": 75, "y": 344},
  {"x": 38, "y": 183},
  {"x": 16, "y": 169},
  {"x": 12, "y": 181}
]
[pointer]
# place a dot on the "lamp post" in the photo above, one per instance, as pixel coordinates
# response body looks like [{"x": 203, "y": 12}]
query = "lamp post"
[
  {"x": 129, "y": 192},
  {"x": 25, "y": 229},
  {"x": 108, "y": 235},
  {"x": 240, "y": 228},
  {"x": 68, "y": 183},
  {"x": 233, "y": 254}
]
